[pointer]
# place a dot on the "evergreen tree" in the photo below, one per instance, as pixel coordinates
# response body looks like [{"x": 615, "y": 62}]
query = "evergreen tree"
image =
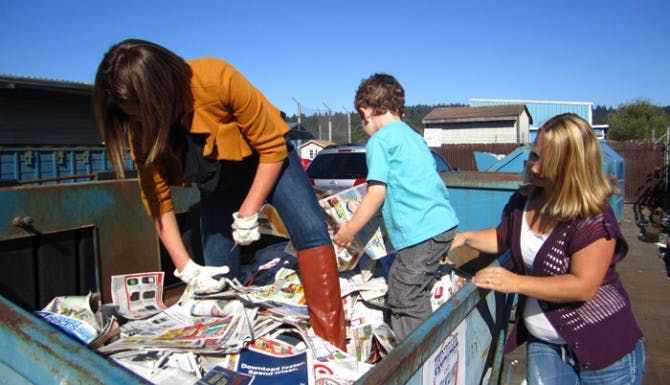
[{"x": 639, "y": 120}]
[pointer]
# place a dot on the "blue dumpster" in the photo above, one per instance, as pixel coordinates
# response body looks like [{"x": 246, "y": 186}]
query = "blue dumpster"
[{"x": 613, "y": 166}]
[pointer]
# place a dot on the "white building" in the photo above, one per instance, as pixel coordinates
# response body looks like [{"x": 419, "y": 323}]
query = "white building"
[
  {"x": 487, "y": 124},
  {"x": 309, "y": 149}
]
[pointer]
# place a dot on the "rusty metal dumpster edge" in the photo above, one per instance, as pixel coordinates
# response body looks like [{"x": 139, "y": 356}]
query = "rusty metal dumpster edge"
[
  {"x": 32, "y": 351},
  {"x": 485, "y": 315}
]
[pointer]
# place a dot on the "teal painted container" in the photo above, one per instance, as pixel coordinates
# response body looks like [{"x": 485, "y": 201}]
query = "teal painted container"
[
  {"x": 613, "y": 166},
  {"x": 54, "y": 164}
]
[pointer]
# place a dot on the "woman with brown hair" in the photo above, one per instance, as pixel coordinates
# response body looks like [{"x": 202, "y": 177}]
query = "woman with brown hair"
[
  {"x": 201, "y": 121},
  {"x": 573, "y": 310}
]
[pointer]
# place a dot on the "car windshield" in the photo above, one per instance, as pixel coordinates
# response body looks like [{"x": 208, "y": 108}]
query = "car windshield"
[{"x": 338, "y": 166}]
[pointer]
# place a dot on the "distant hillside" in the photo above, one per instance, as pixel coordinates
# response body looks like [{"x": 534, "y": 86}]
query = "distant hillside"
[{"x": 413, "y": 116}]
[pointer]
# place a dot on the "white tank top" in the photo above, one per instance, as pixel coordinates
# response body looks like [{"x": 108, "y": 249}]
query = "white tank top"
[{"x": 536, "y": 322}]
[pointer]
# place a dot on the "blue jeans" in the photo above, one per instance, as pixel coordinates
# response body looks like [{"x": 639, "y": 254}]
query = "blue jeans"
[
  {"x": 556, "y": 365},
  {"x": 292, "y": 196}
]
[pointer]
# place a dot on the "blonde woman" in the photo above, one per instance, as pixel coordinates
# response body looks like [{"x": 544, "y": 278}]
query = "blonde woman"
[{"x": 573, "y": 310}]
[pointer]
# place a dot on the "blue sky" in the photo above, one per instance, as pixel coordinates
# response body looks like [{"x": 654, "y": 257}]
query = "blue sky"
[{"x": 317, "y": 52}]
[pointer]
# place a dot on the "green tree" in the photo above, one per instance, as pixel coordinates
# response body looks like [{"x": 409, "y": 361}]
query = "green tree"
[
  {"x": 601, "y": 113},
  {"x": 639, "y": 120}
]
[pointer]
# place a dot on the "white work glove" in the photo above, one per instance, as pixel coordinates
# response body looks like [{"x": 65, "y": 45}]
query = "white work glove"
[
  {"x": 201, "y": 279},
  {"x": 245, "y": 229}
]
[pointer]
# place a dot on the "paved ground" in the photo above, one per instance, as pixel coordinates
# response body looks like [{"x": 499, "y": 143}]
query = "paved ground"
[{"x": 643, "y": 274}]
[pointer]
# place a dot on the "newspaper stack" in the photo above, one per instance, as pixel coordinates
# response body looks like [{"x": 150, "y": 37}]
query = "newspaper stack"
[{"x": 257, "y": 329}]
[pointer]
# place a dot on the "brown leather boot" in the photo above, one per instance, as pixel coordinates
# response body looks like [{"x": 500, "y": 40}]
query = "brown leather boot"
[{"x": 320, "y": 280}]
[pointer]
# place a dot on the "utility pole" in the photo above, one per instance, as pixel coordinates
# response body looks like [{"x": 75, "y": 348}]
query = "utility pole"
[
  {"x": 330, "y": 123},
  {"x": 299, "y": 111},
  {"x": 318, "y": 119},
  {"x": 348, "y": 124}
]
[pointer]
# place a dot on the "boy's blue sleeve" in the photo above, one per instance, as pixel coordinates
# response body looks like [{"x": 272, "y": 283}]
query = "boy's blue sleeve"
[{"x": 375, "y": 156}]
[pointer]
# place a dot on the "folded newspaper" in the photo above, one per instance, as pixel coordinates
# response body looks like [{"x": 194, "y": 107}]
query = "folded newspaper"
[
  {"x": 371, "y": 240},
  {"x": 81, "y": 318}
]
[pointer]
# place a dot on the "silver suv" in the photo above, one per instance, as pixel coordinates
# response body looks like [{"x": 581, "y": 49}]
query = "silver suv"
[{"x": 339, "y": 167}]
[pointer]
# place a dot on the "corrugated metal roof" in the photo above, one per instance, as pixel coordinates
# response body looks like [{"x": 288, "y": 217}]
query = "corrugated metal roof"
[
  {"x": 542, "y": 110},
  {"x": 12, "y": 81},
  {"x": 475, "y": 114}
]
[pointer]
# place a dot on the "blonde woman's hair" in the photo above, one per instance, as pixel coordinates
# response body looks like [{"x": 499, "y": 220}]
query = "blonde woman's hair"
[
  {"x": 571, "y": 159},
  {"x": 155, "y": 81}
]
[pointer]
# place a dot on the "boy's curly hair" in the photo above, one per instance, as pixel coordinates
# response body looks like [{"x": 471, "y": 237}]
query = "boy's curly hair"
[{"x": 381, "y": 92}]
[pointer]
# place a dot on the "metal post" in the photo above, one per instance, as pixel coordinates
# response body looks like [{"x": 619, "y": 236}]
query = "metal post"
[
  {"x": 318, "y": 118},
  {"x": 330, "y": 123},
  {"x": 299, "y": 111},
  {"x": 348, "y": 124}
]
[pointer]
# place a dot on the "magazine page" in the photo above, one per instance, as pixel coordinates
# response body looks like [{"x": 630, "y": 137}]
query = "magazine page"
[
  {"x": 270, "y": 223},
  {"x": 77, "y": 316},
  {"x": 76, "y": 328},
  {"x": 286, "y": 288},
  {"x": 84, "y": 308},
  {"x": 156, "y": 325},
  {"x": 205, "y": 334},
  {"x": 447, "y": 284},
  {"x": 223, "y": 376},
  {"x": 339, "y": 369},
  {"x": 111, "y": 330},
  {"x": 275, "y": 346},
  {"x": 360, "y": 344},
  {"x": 138, "y": 295},
  {"x": 339, "y": 208},
  {"x": 270, "y": 369},
  {"x": 161, "y": 367}
]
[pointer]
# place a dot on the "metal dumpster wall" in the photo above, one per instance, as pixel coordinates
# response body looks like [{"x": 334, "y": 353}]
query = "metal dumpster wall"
[
  {"x": 125, "y": 236},
  {"x": 427, "y": 355},
  {"x": 34, "y": 352},
  {"x": 479, "y": 197}
]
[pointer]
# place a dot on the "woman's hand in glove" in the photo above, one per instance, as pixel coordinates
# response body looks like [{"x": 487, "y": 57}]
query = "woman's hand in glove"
[
  {"x": 245, "y": 229},
  {"x": 201, "y": 279}
]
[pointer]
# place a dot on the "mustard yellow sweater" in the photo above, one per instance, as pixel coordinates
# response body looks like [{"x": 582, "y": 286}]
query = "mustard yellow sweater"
[{"x": 237, "y": 118}]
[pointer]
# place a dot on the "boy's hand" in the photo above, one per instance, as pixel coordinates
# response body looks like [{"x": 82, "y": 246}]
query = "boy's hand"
[
  {"x": 459, "y": 240},
  {"x": 344, "y": 235}
]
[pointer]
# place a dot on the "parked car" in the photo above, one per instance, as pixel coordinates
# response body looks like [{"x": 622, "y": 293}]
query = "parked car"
[{"x": 339, "y": 167}]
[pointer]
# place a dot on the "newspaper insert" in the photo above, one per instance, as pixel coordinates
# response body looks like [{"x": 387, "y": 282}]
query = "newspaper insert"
[
  {"x": 138, "y": 295},
  {"x": 339, "y": 208}
]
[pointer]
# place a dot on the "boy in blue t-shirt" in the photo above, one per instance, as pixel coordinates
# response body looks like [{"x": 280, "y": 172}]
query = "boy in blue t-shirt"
[{"x": 403, "y": 181}]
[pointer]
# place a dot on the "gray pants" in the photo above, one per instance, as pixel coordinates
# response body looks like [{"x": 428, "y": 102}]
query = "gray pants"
[{"x": 410, "y": 281}]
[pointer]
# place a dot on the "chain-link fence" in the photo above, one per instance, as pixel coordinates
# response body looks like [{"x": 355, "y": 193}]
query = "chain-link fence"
[{"x": 339, "y": 127}]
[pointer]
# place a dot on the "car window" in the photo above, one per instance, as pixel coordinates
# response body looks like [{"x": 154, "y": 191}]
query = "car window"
[{"x": 338, "y": 166}]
